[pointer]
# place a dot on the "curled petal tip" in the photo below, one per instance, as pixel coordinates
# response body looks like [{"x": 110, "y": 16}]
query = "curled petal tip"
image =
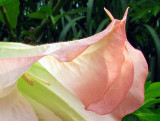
[
  {"x": 112, "y": 18},
  {"x": 125, "y": 14},
  {"x": 109, "y": 14}
]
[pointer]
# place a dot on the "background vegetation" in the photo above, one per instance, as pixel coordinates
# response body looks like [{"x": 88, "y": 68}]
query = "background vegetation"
[{"x": 46, "y": 21}]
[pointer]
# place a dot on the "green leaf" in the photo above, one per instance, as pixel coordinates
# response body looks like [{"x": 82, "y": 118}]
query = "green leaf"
[
  {"x": 89, "y": 12},
  {"x": 153, "y": 87},
  {"x": 73, "y": 26},
  {"x": 102, "y": 24},
  {"x": 53, "y": 19},
  {"x": 152, "y": 91},
  {"x": 2, "y": 2},
  {"x": 147, "y": 84},
  {"x": 156, "y": 9},
  {"x": 130, "y": 117},
  {"x": 147, "y": 115},
  {"x": 150, "y": 102},
  {"x": 74, "y": 11},
  {"x": 12, "y": 12},
  {"x": 37, "y": 15},
  {"x": 46, "y": 9},
  {"x": 155, "y": 38},
  {"x": 124, "y": 5},
  {"x": 67, "y": 27},
  {"x": 151, "y": 94},
  {"x": 140, "y": 12},
  {"x": 148, "y": 77},
  {"x": 157, "y": 45},
  {"x": 49, "y": 96}
]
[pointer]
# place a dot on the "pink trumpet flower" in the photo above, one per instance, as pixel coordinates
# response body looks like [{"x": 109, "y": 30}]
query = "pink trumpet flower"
[
  {"x": 104, "y": 71},
  {"x": 109, "y": 76}
]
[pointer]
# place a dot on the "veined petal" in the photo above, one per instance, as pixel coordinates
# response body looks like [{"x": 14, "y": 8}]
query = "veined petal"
[
  {"x": 135, "y": 96},
  {"x": 14, "y": 107},
  {"x": 103, "y": 74},
  {"x": 98, "y": 76},
  {"x": 16, "y": 58},
  {"x": 116, "y": 94}
]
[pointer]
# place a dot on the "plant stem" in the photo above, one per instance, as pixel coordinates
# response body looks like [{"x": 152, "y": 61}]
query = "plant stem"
[{"x": 11, "y": 33}]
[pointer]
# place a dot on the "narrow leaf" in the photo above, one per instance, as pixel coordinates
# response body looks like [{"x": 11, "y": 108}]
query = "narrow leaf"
[
  {"x": 157, "y": 45},
  {"x": 89, "y": 12},
  {"x": 74, "y": 11},
  {"x": 102, "y": 24},
  {"x": 73, "y": 26},
  {"x": 147, "y": 115},
  {"x": 37, "y": 15},
  {"x": 12, "y": 12},
  {"x": 149, "y": 103},
  {"x": 67, "y": 27}
]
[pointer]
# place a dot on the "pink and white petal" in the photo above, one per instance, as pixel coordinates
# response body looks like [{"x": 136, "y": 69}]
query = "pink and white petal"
[
  {"x": 135, "y": 96},
  {"x": 15, "y": 108},
  {"x": 117, "y": 92},
  {"x": 92, "y": 73},
  {"x": 15, "y": 60},
  {"x": 92, "y": 116},
  {"x": 12, "y": 69}
]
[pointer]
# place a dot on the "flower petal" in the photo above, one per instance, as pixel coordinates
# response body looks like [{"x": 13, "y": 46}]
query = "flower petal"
[
  {"x": 135, "y": 96},
  {"x": 60, "y": 101},
  {"x": 14, "y": 107},
  {"x": 98, "y": 74},
  {"x": 17, "y": 58},
  {"x": 47, "y": 96},
  {"x": 116, "y": 94},
  {"x": 102, "y": 75},
  {"x": 12, "y": 69},
  {"x": 92, "y": 68}
]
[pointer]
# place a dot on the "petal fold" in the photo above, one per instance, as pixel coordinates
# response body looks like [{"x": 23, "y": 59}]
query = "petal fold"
[{"x": 135, "y": 96}]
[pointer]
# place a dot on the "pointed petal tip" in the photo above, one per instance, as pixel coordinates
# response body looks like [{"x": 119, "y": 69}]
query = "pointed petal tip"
[
  {"x": 125, "y": 14},
  {"x": 109, "y": 14}
]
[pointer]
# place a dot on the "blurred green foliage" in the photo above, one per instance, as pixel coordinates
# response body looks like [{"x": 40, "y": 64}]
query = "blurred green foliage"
[{"x": 47, "y": 21}]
